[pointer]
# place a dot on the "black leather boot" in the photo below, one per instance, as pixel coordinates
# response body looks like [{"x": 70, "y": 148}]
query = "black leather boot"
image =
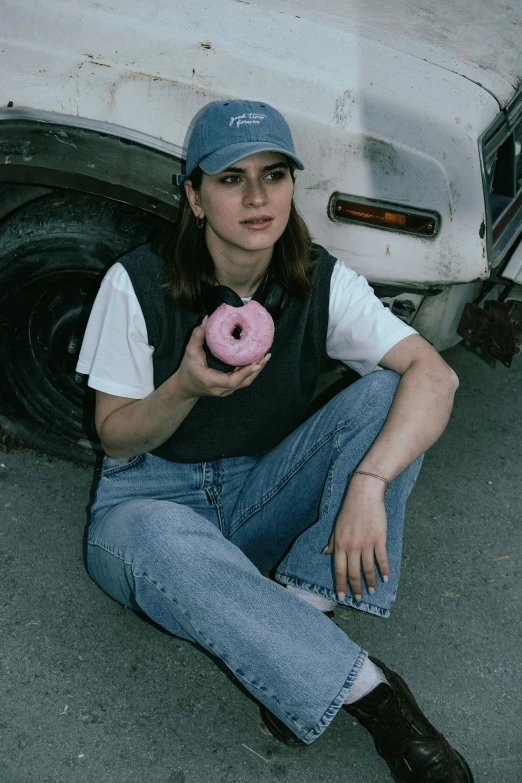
[{"x": 413, "y": 749}]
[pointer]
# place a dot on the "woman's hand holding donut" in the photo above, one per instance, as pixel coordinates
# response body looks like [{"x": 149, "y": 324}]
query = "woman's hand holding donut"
[{"x": 196, "y": 379}]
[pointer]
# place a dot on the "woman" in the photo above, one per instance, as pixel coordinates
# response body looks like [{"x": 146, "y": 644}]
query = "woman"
[{"x": 213, "y": 476}]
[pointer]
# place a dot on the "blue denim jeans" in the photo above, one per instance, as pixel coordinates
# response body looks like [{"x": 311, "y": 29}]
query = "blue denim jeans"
[{"x": 188, "y": 545}]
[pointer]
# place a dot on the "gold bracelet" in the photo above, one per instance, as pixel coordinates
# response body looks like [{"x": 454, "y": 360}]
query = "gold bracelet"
[{"x": 374, "y": 475}]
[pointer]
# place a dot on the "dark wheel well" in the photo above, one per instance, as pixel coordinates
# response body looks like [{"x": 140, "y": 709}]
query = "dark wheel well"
[{"x": 54, "y": 252}]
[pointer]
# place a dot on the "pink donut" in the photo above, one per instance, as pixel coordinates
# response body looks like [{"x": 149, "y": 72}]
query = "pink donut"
[{"x": 257, "y": 333}]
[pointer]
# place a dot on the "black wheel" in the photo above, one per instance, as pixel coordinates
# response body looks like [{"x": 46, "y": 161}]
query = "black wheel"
[{"x": 54, "y": 252}]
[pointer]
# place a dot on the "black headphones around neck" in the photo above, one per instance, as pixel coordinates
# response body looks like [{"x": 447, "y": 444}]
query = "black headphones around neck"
[{"x": 271, "y": 294}]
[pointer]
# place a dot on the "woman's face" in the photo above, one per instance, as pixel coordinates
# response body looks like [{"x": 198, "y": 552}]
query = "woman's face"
[{"x": 247, "y": 206}]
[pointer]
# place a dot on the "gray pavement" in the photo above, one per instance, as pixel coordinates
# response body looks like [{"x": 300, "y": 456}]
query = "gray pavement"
[{"x": 90, "y": 692}]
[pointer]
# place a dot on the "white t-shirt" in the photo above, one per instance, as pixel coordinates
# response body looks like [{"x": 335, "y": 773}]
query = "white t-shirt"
[{"x": 117, "y": 357}]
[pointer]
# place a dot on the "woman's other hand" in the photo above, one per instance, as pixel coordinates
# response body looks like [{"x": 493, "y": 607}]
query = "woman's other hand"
[
  {"x": 359, "y": 539},
  {"x": 196, "y": 379}
]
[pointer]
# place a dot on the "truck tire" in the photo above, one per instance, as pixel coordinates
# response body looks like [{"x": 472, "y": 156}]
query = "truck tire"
[{"x": 54, "y": 252}]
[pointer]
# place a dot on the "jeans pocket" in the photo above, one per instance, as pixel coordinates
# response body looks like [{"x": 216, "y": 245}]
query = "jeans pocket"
[{"x": 112, "y": 466}]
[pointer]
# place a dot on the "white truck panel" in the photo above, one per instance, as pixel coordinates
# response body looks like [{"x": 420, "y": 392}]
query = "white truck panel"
[
  {"x": 480, "y": 40},
  {"x": 358, "y": 117}
]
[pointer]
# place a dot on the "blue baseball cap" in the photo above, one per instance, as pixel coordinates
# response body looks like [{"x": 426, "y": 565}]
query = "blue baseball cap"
[{"x": 228, "y": 131}]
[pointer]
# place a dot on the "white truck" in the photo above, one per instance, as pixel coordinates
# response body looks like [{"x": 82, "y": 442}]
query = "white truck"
[{"x": 408, "y": 117}]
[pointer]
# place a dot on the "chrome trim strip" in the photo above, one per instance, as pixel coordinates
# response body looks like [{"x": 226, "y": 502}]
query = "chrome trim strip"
[
  {"x": 495, "y": 135},
  {"x": 488, "y": 143},
  {"x": 505, "y": 210},
  {"x": 509, "y": 236},
  {"x": 514, "y": 107},
  {"x": 108, "y": 128},
  {"x": 485, "y": 192}
]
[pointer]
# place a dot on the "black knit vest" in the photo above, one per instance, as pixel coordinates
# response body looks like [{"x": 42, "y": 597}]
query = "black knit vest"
[{"x": 255, "y": 419}]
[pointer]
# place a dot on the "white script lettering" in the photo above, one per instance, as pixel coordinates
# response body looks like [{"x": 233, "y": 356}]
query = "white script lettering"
[{"x": 247, "y": 119}]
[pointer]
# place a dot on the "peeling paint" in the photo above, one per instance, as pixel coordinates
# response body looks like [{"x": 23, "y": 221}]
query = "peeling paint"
[
  {"x": 343, "y": 109},
  {"x": 388, "y": 251},
  {"x": 103, "y": 65},
  {"x": 205, "y": 44},
  {"x": 482, "y": 229}
]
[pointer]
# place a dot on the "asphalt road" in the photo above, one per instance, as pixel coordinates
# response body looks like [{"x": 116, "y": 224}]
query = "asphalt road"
[{"x": 92, "y": 693}]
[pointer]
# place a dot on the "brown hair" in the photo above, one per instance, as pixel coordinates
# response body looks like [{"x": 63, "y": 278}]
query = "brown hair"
[{"x": 191, "y": 268}]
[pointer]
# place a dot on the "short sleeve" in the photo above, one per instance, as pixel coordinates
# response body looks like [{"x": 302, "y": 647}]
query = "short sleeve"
[
  {"x": 115, "y": 353},
  {"x": 361, "y": 330}
]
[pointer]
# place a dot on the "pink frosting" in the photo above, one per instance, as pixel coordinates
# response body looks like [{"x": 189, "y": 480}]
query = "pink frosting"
[{"x": 257, "y": 333}]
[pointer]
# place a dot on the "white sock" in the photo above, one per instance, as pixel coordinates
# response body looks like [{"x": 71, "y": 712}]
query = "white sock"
[
  {"x": 369, "y": 677},
  {"x": 319, "y": 601}
]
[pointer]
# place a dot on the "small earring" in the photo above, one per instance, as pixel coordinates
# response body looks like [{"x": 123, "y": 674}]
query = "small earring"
[{"x": 200, "y": 221}]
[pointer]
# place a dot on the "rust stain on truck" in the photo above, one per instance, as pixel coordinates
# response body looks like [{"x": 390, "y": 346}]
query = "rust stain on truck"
[{"x": 375, "y": 140}]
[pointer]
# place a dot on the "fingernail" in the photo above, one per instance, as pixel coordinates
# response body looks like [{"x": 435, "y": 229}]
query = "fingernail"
[
  {"x": 385, "y": 578},
  {"x": 256, "y": 367},
  {"x": 357, "y": 597},
  {"x": 204, "y": 321},
  {"x": 371, "y": 590},
  {"x": 267, "y": 357},
  {"x": 341, "y": 597},
  {"x": 324, "y": 550}
]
